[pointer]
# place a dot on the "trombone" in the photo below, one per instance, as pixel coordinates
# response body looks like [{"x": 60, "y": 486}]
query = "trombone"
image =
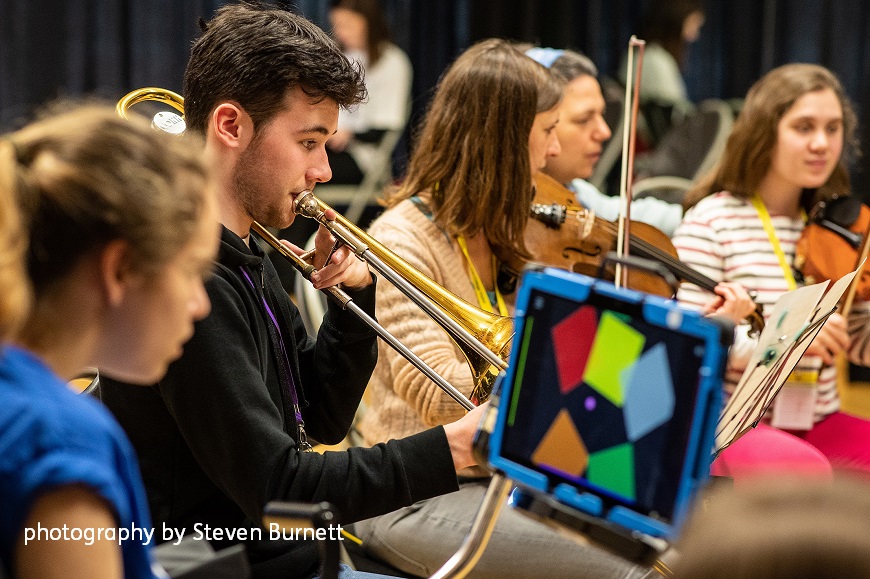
[{"x": 484, "y": 338}]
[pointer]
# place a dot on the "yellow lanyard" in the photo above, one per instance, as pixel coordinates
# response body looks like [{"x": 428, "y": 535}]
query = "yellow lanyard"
[
  {"x": 804, "y": 376},
  {"x": 774, "y": 241},
  {"x": 477, "y": 284}
]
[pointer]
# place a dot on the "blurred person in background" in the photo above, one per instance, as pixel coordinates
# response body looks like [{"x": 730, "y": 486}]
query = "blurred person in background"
[
  {"x": 778, "y": 529},
  {"x": 360, "y": 28}
]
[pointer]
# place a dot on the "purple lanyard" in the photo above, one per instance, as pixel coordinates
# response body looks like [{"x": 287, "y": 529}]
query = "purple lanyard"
[{"x": 289, "y": 383}]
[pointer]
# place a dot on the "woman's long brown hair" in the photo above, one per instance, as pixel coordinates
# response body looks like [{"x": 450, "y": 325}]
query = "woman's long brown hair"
[{"x": 472, "y": 154}]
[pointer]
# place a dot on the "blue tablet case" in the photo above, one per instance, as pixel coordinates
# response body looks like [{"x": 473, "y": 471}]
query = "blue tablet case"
[{"x": 609, "y": 405}]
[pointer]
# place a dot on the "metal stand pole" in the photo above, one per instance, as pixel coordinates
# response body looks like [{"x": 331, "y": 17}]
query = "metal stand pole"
[{"x": 469, "y": 553}]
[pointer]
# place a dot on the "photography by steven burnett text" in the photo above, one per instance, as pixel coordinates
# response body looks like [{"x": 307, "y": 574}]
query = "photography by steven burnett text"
[{"x": 199, "y": 532}]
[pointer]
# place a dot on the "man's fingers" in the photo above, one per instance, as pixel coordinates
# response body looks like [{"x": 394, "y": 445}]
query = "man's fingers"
[{"x": 294, "y": 248}]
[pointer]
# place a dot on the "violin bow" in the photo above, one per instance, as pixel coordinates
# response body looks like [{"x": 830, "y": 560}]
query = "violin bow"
[{"x": 629, "y": 121}]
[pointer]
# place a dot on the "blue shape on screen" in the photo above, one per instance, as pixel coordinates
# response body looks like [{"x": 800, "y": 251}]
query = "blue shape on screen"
[{"x": 649, "y": 396}]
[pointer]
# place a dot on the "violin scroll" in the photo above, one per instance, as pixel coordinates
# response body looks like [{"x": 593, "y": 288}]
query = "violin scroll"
[{"x": 756, "y": 320}]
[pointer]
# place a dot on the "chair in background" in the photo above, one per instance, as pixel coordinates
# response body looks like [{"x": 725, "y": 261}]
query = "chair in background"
[
  {"x": 293, "y": 517},
  {"x": 358, "y": 197},
  {"x": 665, "y": 187},
  {"x": 652, "y": 121},
  {"x": 688, "y": 151}
]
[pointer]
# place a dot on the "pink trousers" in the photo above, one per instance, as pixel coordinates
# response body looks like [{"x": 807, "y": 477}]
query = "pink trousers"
[
  {"x": 767, "y": 451},
  {"x": 840, "y": 441},
  {"x": 844, "y": 439}
]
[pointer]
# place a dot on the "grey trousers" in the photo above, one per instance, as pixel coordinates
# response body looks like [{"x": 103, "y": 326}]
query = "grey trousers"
[{"x": 419, "y": 539}]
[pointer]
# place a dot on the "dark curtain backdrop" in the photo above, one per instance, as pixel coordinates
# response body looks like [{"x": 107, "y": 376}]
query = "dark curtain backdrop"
[{"x": 54, "y": 48}]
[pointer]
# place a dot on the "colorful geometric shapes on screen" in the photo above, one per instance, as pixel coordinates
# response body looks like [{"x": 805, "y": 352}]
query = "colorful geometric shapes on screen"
[
  {"x": 572, "y": 342},
  {"x": 616, "y": 348},
  {"x": 649, "y": 395},
  {"x": 562, "y": 448},
  {"x": 601, "y": 427},
  {"x": 613, "y": 469}
]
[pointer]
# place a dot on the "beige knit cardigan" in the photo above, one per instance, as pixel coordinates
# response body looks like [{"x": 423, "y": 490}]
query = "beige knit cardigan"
[{"x": 402, "y": 401}]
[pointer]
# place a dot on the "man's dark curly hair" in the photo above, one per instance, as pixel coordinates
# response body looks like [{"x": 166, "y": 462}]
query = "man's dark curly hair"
[{"x": 253, "y": 53}]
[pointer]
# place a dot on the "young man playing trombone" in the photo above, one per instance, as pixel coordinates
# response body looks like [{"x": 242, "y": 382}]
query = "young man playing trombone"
[{"x": 224, "y": 433}]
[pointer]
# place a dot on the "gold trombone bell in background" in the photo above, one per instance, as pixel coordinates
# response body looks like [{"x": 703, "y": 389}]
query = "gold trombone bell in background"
[{"x": 483, "y": 337}]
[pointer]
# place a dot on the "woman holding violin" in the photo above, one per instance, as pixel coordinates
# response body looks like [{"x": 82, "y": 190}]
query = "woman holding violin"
[
  {"x": 582, "y": 131},
  {"x": 465, "y": 201},
  {"x": 785, "y": 154}
]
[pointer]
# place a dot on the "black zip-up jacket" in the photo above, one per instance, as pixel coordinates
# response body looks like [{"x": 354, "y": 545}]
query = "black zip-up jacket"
[{"x": 216, "y": 438}]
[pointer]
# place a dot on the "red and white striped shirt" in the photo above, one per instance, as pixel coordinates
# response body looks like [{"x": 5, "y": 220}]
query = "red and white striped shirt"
[{"x": 723, "y": 238}]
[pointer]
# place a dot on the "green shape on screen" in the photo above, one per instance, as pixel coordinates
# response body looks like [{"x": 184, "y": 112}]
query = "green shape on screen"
[
  {"x": 617, "y": 347},
  {"x": 613, "y": 469}
]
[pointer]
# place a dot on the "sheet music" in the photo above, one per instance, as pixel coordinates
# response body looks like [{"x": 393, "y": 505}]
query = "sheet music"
[
  {"x": 790, "y": 316},
  {"x": 830, "y": 300},
  {"x": 826, "y": 307},
  {"x": 796, "y": 319}
]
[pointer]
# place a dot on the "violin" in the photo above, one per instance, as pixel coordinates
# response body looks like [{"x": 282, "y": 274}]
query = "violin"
[
  {"x": 834, "y": 243},
  {"x": 564, "y": 234}
]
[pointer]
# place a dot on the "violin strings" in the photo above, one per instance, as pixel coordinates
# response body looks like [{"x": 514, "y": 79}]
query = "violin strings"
[{"x": 682, "y": 270}]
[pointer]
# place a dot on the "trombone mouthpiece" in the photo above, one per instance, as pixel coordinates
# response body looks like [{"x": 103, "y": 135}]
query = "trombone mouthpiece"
[{"x": 307, "y": 205}]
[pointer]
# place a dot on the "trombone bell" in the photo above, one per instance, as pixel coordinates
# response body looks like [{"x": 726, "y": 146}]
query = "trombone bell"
[
  {"x": 167, "y": 121},
  {"x": 483, "y": 337}
]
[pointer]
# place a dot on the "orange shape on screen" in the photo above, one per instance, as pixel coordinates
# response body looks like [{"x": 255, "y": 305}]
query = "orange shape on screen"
[{"x": 562, "y": 448}]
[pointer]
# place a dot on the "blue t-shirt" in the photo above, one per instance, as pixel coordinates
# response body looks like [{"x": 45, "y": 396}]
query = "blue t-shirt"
[{"x": 51, "y": 437}]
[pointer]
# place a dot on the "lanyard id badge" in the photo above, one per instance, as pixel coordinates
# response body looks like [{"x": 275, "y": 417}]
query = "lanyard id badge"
[
  {"x": 794, "y": 407},
  {"x": 795, "y": 404},
  {"x": 479, "y": 290}
]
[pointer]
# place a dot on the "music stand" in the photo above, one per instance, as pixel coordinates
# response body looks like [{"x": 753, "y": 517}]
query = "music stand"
[
  {"x": 781, "y": 345},
  {"x": 784, "y": 340}
]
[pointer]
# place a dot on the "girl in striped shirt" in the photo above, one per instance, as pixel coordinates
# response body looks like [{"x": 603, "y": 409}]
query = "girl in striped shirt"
[{"x": 784, "y": 155}]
